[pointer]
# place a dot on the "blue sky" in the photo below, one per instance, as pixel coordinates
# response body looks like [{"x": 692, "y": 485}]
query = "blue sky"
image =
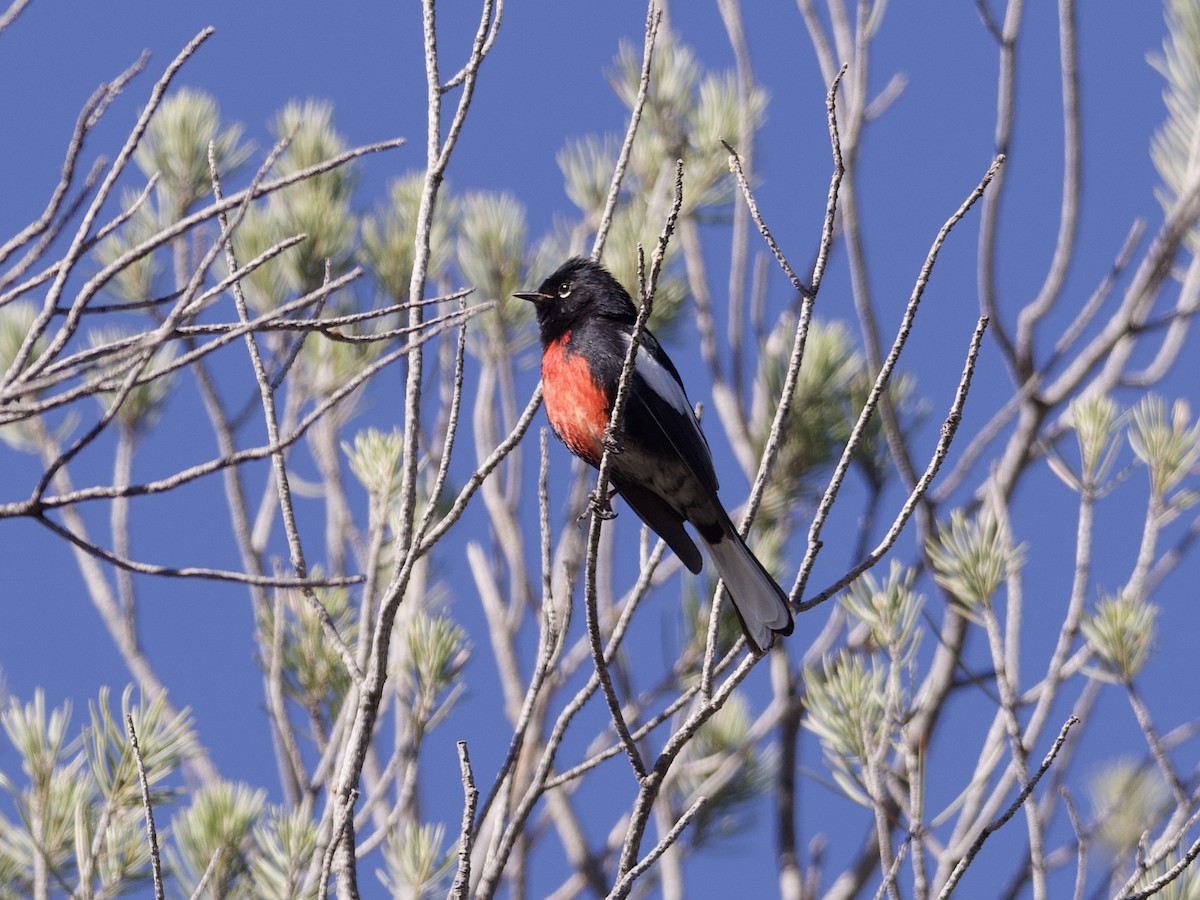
[{"x": 546, "y": 82}]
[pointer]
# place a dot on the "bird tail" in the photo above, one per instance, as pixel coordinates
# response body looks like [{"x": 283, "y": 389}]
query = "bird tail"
[{"x": 761, "y": 604}]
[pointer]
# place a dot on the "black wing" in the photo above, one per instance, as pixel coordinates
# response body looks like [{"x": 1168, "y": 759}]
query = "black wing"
[
  {"x": 662, "y": 519},
  {"x": 658, "y": 403}
]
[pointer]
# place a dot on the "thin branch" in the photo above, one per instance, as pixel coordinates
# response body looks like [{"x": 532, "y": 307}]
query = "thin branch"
[
  {"x": 462, "y": 878},
  {"x": 191, "y": 571},
  {"x": 1068, "y": 221},
  {"x": 344, "y": 820},
  {"x": 151, "y": 833},
  {"x": 739, "y": 174},
  {"x": 480, "y": 474},
  {"x": 72, "y": 365},
  {"x": 1080, "y": 840},
  {"x": 173, "y": 319},
  {"x": 550, "y": 634},
  {"x": 408, "y": 550},
  {"x": 625, "y": 883},
  {"x": 612, "y": 444},
  {"x": 880, "y": 385},
  {"x": 209, "y": 871},
  {"x": 653, "y": 782},
  {"x": 188, "y": 223},
  {"x": 888, "y": 885},
  {"x": 653, "y": 18},
  {"x": 21, "y": 363},
  {"x": 1167, "y": 877},
  {"x": 91, "y": 113},
  {"x": 1146, "y": 723},
  {"x": 292, "y": 762},
  {"x": 649, "y": 725},
  {"x": 36, "y": 506},
  {"x": 1000, "y": 419},
  {"x": 998, "y": 823},
  {"x": 990, "y": 214},
  {"x": 787, "y": 393},
  {"x": 1111, "y": 346},
  {"x": 10, "y": 15},
  {"x": 271, "y": 422},
  {"x": 541, "y": 782}
]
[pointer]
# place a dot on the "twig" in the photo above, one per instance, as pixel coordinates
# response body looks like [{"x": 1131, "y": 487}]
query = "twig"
[
  {"x": 173, "y": 319},
  {"x": 1146, "y": 723},
  {"x": 1068, "y": 221},
  {"x": 654, "y": 721},
  {"x": 996, "y": 824},
  {"x": 541, "y": 781},
  {"x": 880, "y": 385},
  {"x": 653, "y": 782},
  {"x": 209, "y": 870},
  {"x": 653, "y": 18},
  {"x": 344, "y": 819},
  {"x": 735, "y": 166},
  {"x": 462, "y": 878},
  {"x": 188, "y": 223},
  {"x": 799, "y": 341},
  {"x": 946, "y": 437},
  {"x": 35, "y": 506},
  {"x": 191, "y": 571},
  {"x": 407, "y": 551},
  {"x": 52, "y": 232},
  {"x": 480, "y": 474},
  {"x": 271, "y": 421},
  {"x": 985, "y": 435},
  {"x": 10, "y": 15},
  {"x": 21, "y": 363},
  {"x": 1110, "y": 348},
  {"x": 889, "y": 880},
  {"x": 443, "y": 471},
  {"x": 151, "y": 833},
  {"x": 1080, "y": 840},
  {"x": 1006, "y": 38},
  {"x": 625, "y": 883},
  {"x": 69, "y": 366},
  {"x": 93, "y": 109},
  {"x": 550, "y": 634},
  {"x": 730, "y": 409},
  {"x": 292, "y": 762},
  {"x": 1167, "y": 877}
]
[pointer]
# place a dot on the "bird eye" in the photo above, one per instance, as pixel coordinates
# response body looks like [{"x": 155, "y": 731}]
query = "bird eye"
[{"x": 564, "y": 289}]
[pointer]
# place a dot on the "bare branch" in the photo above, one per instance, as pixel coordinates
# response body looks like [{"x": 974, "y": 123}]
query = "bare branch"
[
  {"x": 462, "y": 878},
  {"x": 881, "y": 381},
  {"x": 10, "y": 15},
  {"x": 998, "y": 823},
  {"x": 653, "y": 18},
  {"x": 151, "y": 833},
  {"x": 76, "y": 250},
  {"x": 191, "y": 571},
  {"x": 625, "y": 884}
]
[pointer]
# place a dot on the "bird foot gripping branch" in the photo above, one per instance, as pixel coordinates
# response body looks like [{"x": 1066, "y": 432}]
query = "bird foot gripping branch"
[{"x": 600, "y": 504}]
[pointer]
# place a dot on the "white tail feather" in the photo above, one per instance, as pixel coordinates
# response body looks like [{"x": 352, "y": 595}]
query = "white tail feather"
[{"x": 760, "y": 602}]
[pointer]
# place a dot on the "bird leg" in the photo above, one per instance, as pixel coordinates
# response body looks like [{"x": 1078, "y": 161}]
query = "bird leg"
[{"x": 599, "y": 504}]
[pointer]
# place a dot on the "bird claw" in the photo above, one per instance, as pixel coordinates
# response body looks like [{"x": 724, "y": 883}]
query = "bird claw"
[{"x": 601, "y": 505}]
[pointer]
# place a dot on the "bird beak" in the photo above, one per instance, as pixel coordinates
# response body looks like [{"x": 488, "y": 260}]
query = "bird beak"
[{"x": 531, "y": 296}]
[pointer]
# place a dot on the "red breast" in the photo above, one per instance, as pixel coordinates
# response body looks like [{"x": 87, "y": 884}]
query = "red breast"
[{"x": 576, "y": 404}]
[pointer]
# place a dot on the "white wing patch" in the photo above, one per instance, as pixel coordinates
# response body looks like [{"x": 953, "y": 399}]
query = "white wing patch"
[{"x": 659, "y": 379}]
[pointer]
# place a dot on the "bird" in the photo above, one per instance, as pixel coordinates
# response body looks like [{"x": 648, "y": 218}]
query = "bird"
[{"x": 664, "y": 470}]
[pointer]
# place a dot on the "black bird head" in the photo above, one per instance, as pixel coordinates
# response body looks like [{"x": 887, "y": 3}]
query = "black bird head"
[{"x": 578, "y": 287}]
